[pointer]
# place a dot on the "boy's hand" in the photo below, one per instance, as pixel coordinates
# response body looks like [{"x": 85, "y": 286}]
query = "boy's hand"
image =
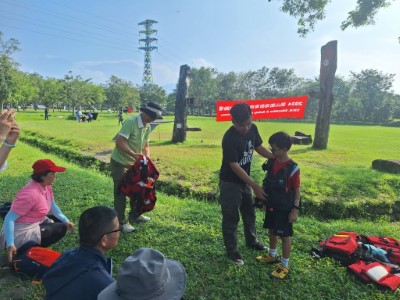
[{"x": 293, "y": 215}]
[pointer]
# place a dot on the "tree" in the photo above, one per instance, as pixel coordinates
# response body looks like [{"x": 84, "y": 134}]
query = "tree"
[
  {"x": 371, "y": 89},
  {"x": 203, "y": 88},
  {"x": 24, "y": 91},
  {"x": 7, "y": 68},
  {"x": 120, "y": 93},
  {"x": 50, "y": 92},
  {"x": 153, "y": 93},
  {"x": 73, "y": 90},
  {"x": 308, "y": 13}
]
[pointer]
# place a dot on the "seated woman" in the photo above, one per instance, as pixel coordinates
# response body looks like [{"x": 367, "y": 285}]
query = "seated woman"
[{"x": 27, "y": 219}]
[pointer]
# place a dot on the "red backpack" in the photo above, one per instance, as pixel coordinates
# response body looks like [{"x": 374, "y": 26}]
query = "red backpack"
[{"x": 139, "y": 184}]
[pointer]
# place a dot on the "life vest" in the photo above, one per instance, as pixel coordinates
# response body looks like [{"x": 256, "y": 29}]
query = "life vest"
[
  {"x": 371, "y": 258},
  {"x": 139, "y": 184},
  {"x": 382, "y": 274},
  {"x": 279, "y": 196}
]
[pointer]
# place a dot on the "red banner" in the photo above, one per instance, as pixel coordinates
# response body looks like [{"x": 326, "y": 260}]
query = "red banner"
[{"x": 277, "y": 108}]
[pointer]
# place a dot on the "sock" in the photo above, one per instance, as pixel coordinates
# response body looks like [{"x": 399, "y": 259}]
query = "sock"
[
  {"x": 272, "y": 252},
  {"x": 285, "y": 262}
]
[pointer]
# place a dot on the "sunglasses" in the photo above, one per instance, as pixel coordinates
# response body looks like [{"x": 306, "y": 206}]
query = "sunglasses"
[{"x": 116, "y": 230}]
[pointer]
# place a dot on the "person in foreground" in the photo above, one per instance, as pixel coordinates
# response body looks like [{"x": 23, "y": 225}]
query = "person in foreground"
[
  {"x": 282, "y": 185},
  {"x": 147, "y": 274},
  {"x": 131, "y": 142},
  {"x": 238, "y": 145},
  {"x": 81, "y": 274},
  {"x": 27, "y": 219},
  {"x": 9, "y": 133}
]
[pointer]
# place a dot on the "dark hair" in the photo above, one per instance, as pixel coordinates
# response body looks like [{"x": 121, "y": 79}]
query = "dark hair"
[
  {"x": 281, "y": 139},
  {"x": 240, "y": 112},
  {"x": 94, "y": 223},
  {"x": 38, "y": 176}
]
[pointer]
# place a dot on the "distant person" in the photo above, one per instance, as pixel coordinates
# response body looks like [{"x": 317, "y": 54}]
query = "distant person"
[
  {"x": 78, "y": 115},
  {"x": 90, "y": 117},
  {"x": 82, "y": 273},
  {"x": 27, "y": 219},
  {"x": 46, "y": 113},
  {"x": 238, "y": 145},
  {"x": 147, "y": 274},
  {"x": 131, "y": 142},
  {"x": 120, "y": 117},
  {"x": 9, "y": 133},
  {"x": 282, "y": 186}
]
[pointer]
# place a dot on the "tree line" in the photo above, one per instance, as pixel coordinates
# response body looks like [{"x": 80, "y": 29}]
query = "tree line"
[{"x": 366, "y": 96}]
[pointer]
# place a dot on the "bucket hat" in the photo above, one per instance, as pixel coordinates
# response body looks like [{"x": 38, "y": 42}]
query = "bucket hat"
[
  {"x": 147, "y": 275},
  {"x": 153, "y": 110},
  {"x": 43, "y": 165}
]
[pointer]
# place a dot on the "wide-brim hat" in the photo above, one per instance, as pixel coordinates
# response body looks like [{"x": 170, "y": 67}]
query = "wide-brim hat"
[
  {"x": 147, "y": 275},
  {"x": 153, "y": 110},
  {"x": 43, "y": 165}
]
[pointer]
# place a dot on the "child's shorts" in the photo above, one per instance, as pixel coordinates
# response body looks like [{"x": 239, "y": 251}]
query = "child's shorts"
[{"x": 278, "y": 221}]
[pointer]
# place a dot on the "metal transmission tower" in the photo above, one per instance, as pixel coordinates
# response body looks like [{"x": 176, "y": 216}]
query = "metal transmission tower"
[{"x": 148, "y": 25}]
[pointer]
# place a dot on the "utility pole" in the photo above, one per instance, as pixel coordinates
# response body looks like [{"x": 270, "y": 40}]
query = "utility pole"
[{"x": 148, "y": 25}]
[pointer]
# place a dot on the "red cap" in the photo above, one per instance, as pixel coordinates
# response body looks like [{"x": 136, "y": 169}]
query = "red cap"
[{"x": 43, "y": 165}]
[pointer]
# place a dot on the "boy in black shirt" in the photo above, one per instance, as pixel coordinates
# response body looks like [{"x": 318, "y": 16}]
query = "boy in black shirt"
[{"x": 238, "y": 145}]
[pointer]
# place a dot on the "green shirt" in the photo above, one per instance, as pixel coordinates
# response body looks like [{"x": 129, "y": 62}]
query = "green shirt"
[{"x": 136, "y": 134}]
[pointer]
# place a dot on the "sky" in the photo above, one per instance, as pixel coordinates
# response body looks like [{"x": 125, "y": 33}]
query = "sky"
[{"x": 99, "y": 38}]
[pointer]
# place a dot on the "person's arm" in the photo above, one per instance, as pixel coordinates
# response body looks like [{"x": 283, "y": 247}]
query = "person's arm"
[
  {"x": 4, "y": 151},
  {"x": 9, "y": 133},
  {"x": 264, "y": 152},
  {"x": 56, "y": 211},
  {"x": 121, "y": 144},
  {"x": 146, "y": 149},
  {"x": 294, "y": 213},
  {"x": 259, "y": 191},
  {"x": 9, "y": 226}
]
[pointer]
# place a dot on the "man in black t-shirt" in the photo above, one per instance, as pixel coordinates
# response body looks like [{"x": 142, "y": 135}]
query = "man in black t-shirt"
[{"x": 238, "y": 145}]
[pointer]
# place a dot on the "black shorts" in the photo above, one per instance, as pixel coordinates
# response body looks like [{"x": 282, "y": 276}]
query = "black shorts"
[{"x": 278, "y": 221}]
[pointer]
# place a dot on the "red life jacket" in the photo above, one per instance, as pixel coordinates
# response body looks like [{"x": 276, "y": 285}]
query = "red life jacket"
[
  {"x": 139, "y": 184},
  {"x": 377, "y": 272},
  {"x": 372, "y": 258}
]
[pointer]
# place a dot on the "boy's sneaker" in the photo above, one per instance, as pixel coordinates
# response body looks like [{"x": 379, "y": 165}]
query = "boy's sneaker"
[
  {"x": 127, "y": 228},
  {"x": 236, "y": 258},
  {"x": 280, "y": 273},
  {"x": 268, "y": 259},
  {"x": 258, "y": 246},
  {"x": 141, "y": 219}
]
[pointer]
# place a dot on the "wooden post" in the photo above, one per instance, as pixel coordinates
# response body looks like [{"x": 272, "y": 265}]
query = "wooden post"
[
  {"x": 326, "y": 79},
  {"x": 179, "y": 133}
]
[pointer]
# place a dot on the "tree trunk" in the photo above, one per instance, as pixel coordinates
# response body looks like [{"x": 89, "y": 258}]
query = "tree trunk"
[
  {"x": 179, "y": 133},
  {"x": 326, "y": 78}
]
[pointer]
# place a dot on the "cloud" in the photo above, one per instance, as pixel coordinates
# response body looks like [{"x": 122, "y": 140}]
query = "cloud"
[{"x": 201, "y": 62}]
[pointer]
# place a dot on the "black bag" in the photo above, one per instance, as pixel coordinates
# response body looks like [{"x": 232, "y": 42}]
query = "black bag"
[
  {"x": 4, "y": 209},
  {"x": 33, "y": 260}
]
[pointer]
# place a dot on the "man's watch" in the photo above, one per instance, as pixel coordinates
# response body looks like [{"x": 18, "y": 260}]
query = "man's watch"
[{"x": 296, "y": 207}]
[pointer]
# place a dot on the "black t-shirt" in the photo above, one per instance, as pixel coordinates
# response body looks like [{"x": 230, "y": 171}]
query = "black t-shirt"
[{"x": 238, "y": 148}]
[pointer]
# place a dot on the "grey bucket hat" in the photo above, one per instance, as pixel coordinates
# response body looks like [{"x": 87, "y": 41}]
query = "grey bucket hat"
[
  {"x": 147, "y": 275},
  {"x": 153, "y": 110}
]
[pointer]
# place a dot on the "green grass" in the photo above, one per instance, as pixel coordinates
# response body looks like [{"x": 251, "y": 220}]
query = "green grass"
[
  {"x": 337, "y": 182},
  {"x": 189, "y": 230}
]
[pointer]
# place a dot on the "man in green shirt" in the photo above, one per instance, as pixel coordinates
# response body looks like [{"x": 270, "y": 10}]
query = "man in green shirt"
[{"x": 131, "y": 142}]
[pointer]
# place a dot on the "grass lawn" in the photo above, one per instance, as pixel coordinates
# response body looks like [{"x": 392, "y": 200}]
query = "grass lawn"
[
  {"x": 188, "y": 230},
  {"x": 336, "y": 182}
]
